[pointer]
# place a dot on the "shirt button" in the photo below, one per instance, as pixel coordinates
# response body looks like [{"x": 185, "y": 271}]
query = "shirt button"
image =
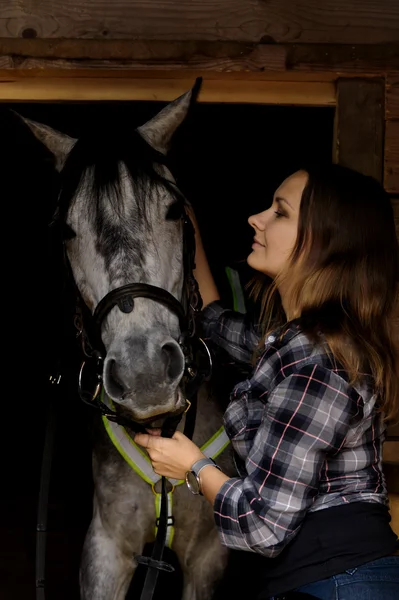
[{"x": 271, "y": 338}]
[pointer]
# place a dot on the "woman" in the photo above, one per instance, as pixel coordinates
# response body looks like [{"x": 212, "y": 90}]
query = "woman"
[{"x": 307, "y": 425}]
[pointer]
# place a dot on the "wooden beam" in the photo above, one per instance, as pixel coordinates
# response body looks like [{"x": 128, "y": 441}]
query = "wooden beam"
[
  {"x": 391, "y": 452},
  {"x": 220, "y": 56},
  {"x": 275, "y": 21},
  {"x": 40, "y": 89},
  {"x": 359, "y": 126},
  {"x": 395, "y": 204},
  {"x": 155, "y": 54},
  {"x": 393, "y": 433},
  {"x": 391, "y": 159},
  {"x": 394, "y": 510},
  {"x": 392, "y": 96},
  {"x": 348, "y": 58},
  {"x": 104, "y": 73}
]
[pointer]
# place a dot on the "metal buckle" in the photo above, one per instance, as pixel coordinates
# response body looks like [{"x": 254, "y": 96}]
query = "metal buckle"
[{"x": 170, "y": 522}]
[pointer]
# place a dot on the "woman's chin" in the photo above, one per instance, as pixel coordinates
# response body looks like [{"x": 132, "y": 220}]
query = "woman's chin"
[
  {"x": 257, "y": 265},
  {"x": 255, "y": 261}
]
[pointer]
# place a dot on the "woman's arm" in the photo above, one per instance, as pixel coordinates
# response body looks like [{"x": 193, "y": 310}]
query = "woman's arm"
[
  {"x": 306, "y": 417},
  {"x": 211, "y": 480},
  {"x": 232, "y": 331},
  {"x": 202, "y": 271}
]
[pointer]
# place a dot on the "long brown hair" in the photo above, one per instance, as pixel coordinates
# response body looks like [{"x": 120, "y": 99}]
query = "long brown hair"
[{"x": 342, "y": 277}]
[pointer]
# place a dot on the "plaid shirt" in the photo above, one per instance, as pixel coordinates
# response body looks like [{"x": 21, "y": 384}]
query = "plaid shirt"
[{"x": 305, "y": 440}]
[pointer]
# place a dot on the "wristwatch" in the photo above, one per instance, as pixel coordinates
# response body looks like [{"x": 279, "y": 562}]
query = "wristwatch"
[{"x": 192, "y": 477}]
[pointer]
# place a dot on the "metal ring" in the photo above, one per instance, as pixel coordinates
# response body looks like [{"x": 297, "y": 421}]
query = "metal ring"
[
  {"x": 208, "y": 352},
  {"x": 188, "y": 406},
  {"x": 97, "y": 388},
  {"x": 159, "y": 493}
]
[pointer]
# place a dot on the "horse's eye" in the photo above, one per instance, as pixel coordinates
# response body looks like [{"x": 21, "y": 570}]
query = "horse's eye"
[{"x": 175, "y": 211}]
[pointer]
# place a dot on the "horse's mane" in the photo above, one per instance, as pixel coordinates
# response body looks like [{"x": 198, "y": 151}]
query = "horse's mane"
[{"x": 100, "y": 154}]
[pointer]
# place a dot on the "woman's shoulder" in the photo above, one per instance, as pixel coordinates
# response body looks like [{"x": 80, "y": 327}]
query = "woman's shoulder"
[
  {"x": 293, "y": 353},
  {"x": 289, "y": 350},
  {"x": 296, "y": 365}
]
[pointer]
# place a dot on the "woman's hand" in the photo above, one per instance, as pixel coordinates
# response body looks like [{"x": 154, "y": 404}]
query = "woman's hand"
[{"x": 171, "y": 457}]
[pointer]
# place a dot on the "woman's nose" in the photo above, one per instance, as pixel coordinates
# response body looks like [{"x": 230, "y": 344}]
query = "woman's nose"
[{"x": 258, "y": 221}]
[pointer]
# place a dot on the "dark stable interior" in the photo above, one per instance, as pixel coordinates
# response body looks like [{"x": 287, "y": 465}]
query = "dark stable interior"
[{"x": 228, "y": 160}]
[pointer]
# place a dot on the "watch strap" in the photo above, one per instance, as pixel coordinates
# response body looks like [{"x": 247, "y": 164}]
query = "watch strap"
[
  {"x": 201, "y": 464},
  {"x": 196, "y": 470}
]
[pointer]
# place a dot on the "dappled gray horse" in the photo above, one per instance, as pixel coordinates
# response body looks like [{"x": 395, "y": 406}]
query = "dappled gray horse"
[{"x": 122, "y": 218}]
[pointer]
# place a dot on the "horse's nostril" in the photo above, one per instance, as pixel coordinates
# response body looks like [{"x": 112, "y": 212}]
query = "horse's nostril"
[
  {"x": 173, "y": 360},
  {"x": 114, "y": 377}
]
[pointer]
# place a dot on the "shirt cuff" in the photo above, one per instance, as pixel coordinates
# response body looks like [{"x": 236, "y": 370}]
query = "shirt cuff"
[
  {"x": 226, "y": 515},
  {"x": 210, "y": 316}
]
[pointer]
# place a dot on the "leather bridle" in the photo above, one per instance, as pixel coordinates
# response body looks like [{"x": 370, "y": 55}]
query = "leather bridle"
[
  {"x": 89, "y": 328},
  {"x": 193, "y": 377},
  {"x": 123, "y": 297}
]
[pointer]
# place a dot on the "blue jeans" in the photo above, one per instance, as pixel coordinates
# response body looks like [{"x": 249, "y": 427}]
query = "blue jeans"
[{"x": 376, "y": 580}]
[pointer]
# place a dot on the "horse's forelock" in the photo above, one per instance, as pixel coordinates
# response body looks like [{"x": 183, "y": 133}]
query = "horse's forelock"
[{"x": 98, "y": 164}]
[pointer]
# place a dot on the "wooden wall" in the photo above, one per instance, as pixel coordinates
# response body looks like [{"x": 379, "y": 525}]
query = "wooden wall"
[
  {"x": 391, "y": 170},
  {"x": 271, "y": 21},
  {"x": 280, "y": 41}
]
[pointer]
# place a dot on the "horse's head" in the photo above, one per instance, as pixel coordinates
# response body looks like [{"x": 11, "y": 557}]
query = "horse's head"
[{"x": 122, "y": 214}]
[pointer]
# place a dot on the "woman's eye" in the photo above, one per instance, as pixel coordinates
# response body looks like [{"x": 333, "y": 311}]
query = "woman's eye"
[
  {"x": 175, "y": 212},
  {"x": 278, "y": 214}
]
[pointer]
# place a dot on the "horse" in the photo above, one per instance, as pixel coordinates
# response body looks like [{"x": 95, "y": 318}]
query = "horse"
[{"x": 122, "y": 219}]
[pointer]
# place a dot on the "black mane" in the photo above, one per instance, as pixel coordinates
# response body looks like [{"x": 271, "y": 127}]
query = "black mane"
[{"x": 104, "y": 151}]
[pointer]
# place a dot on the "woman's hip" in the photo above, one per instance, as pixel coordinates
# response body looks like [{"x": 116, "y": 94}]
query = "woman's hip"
[{"x": 375, "y": 580}]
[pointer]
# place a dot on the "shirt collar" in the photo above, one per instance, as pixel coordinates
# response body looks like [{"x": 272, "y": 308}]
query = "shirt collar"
[{"x": 282, "y": 335}]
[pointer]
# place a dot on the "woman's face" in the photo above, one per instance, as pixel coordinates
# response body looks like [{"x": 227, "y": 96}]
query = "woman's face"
[{"x": 276, "y": 228}]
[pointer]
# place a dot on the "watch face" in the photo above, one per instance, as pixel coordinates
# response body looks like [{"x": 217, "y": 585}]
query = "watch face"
[{"x": 192, "y": 482}]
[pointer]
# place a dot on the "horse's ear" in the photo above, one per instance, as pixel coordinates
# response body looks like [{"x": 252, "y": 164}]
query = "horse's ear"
[
  {"x": 58, "y": 143},
  {"x": 158, "y": 132}
]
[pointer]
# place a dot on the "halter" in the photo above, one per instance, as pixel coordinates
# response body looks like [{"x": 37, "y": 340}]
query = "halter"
[
  {"x": 186, "y": 312},
  {"x": 193, "y": 376},
  {"x": 89, "y": 328}
]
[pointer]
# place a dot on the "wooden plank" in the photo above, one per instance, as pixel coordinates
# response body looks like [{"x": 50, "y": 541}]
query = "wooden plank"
[
  {"x": 148, "y": 55},
  {"x": 391, "y": 472},
  {"x": 391, "y": 452},
  {"x": 394, "y": 510},
  {"x": 393, "y": 434},
  {"x": 304, "y": 21},
  {"x": 124, "y": 73},
  {"x": 100, "y": 89},
  {"x": 359, "y": 126},
  {"x": 391, "y": 160},
  {"x": 218, "y": 56},
  {"x": 350, "y": 58},
  {"x": 392, "y": 96},
  {"x": 395, "y": 204}
]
